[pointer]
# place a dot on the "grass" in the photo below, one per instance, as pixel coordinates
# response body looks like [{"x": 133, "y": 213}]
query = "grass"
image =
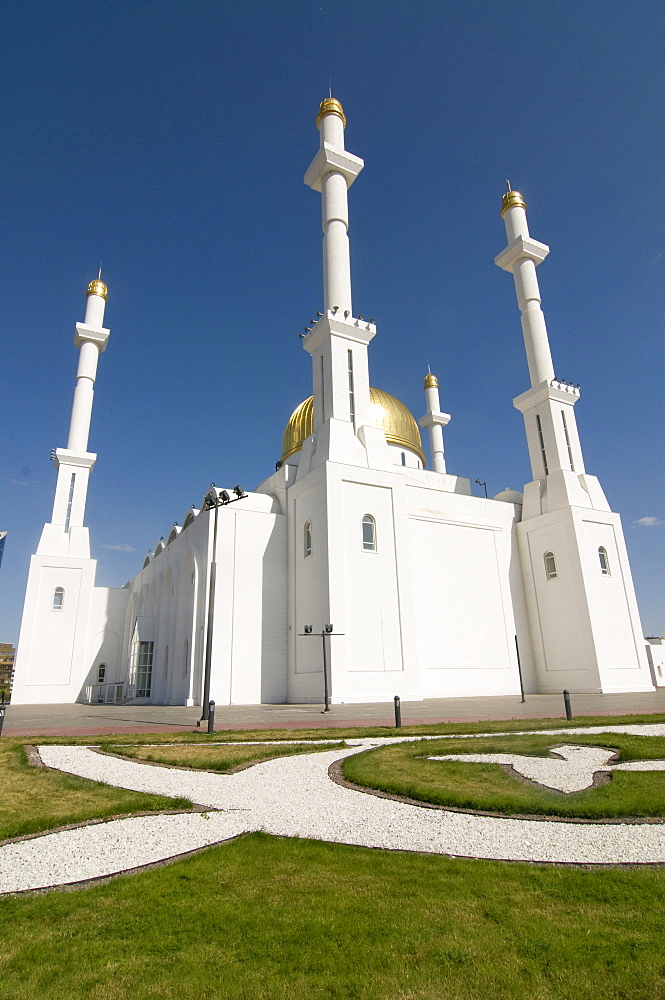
[
  {"x": 265, "y": 918},
  {"x": 403, "y": 769},
  {"x": 33, "y": 799},
  {"x": 346, "y": 732},
  {"x": 218, "y": 758}
]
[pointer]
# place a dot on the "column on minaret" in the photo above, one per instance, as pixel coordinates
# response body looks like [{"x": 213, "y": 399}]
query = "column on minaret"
[
  {"x": 554, "y": 445},
  {"x": 65, "y": 534},
  {"x": 337, "y": 343},
  {"x": 434, "y": 421},
  {"x": 522, "y": 256}
]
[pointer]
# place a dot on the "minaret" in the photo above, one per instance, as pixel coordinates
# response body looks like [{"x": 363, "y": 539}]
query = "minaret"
[
  {"x": 338, "y": 341},
  {"x": 554, "y": 447},
  {"x": 65, "y": 535},
  {"x": 435, "y": 421},
  {"x": 583, "y": 616}
]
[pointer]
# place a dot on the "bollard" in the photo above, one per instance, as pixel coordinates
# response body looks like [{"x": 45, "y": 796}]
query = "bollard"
[
  {"x": 211, "y": 717},
  {"x": 566, "y": 701},
  {"x": 398, "y": 713}
]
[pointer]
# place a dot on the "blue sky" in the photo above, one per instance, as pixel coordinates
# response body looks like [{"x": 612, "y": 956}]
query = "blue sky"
[{"x": 169, "y": 139}]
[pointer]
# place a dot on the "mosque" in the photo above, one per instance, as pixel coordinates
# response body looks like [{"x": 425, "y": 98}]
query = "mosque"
[{"x": 355, "y": 570}]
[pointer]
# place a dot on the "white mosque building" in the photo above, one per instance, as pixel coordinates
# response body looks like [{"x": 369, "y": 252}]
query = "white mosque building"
[{"x": 430, "y": 591}]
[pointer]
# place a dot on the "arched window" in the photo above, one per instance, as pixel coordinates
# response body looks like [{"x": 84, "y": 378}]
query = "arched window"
[
  {"x": 369, "y": 533},
  {"x": 604, "y": 561},
  {"x": 550, "y": 566},
  {"x": 58, "y": 599},
  {"x": 101, "y": 673},
  {"x": 308, "y": 539},
  {"x": 403, "y": 459}
]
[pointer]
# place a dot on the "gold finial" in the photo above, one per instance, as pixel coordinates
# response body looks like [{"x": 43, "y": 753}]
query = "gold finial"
[
  {"x": 98, "y": 287},
  {"x": 431, "y": 381},
  {"x": 330, "y": 106},
  {"x": 512, "y": 199}
]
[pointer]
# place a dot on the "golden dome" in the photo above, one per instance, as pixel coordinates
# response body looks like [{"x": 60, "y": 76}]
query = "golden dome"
[
  {"x": 97, "y": 287},
  {"x": 512, "y": 199},
  {"x": 431, "y": 381},
  {"x": 330, "y": 106},
  {"x": 387, "y": 412}
]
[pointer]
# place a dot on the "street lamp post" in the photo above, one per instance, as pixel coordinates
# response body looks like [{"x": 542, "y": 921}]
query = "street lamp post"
[
  {"x": 213, "y": 501},
  {"x": 327, "y": 630}
]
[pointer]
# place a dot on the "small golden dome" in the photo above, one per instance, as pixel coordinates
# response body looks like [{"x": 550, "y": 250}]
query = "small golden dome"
[
  {"x": 387, "y": 412},
  {"x": 330, "y": 106},
  {"x": 98, "y": 287},
  {"x": 512, "y": 199},
  {"x": 431, "y": 381}
]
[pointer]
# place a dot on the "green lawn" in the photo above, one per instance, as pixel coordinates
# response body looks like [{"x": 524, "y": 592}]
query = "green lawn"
[
  {"x": 33, "y": 799},
  {"x": 403, "y": 769},
  {"x": 217, "y": 758},
  {"x": 264, "y": 918}
]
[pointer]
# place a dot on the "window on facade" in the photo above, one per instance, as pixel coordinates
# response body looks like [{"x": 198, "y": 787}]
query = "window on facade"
[
  {"x": 70, "y": 500},
  {"x": 58, "y": 599},
  {"x": 369, "y": 533},
  {"x": 308, "y": 538},
  {"x": 185, "y": 660},
  {"x": 550, "y": 566},
  {"x": 604, "y": 561},
  {"x": 403, "y": 459},
  {"x": 101, "y": 673}
]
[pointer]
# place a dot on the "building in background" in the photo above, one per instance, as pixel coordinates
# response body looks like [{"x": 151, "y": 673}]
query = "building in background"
[
  {"x": 426, "y": 590},
  {"x": 6, "y": 670}
]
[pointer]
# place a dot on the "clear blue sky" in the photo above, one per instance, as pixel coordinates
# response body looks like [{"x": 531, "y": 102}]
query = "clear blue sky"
[{"x": 169, "y": 139}]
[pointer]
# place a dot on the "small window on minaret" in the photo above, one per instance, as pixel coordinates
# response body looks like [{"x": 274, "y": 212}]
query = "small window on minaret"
[
  {"x": 403, "y": 459},
  {"x": 604, "y": 561},
  {"x": 308, "y": 538},
  {"x": 369, "y": 533},
  {"x": 550, "y": 566},
  {"x": 58, "y": 599}
]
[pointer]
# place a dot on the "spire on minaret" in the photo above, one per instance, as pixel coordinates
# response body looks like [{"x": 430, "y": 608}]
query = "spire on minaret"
[
  {"x": 65, "y": 533},
  {"x": 434, "y": 421},
  {"x": 521, "y": 257},
  {"x": 338, "y": 340},
  {"x": 547, "y": 407}
]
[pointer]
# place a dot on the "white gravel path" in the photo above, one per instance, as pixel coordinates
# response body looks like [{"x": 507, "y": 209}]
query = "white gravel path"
[{"x": 294, "y": 797}]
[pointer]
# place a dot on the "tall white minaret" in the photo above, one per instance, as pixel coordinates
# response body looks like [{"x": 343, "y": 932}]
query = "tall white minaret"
[
  {"x": 435, "y": 421},
  {"x": 554, "y": 446},
  {"x": 582, "y": 612},
  {"x": 343, "y": 430},
  {"x": 65, "y": 534}
]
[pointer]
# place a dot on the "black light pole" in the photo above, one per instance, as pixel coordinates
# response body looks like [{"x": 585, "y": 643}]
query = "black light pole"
[
  {"x": 482, "y": 484},
  {"x": 327, "y": 630},
  {"x": 213, "y": 501}
]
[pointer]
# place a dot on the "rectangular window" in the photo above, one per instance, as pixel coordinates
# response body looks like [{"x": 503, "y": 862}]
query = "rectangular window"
[
  {"x": 570, "y": 450},
  {"x": 542, "y": 444},
  {"x": 69, "y": 502},
  {"x": 352, "y": 401},
  {"x": 323, "y": 390}
]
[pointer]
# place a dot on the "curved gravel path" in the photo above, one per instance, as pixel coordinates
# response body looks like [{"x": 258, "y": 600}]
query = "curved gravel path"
[{"x": 294, "y": 797}]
